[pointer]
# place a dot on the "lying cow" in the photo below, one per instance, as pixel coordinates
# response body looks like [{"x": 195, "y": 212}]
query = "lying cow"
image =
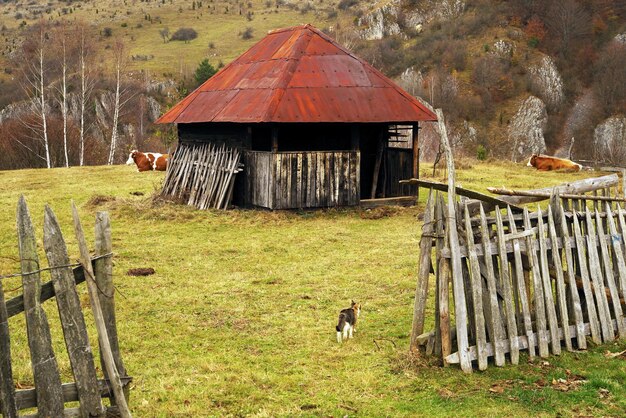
[
  {"x": 147, "y": 161},
  {"x": 548, "y": 163}
]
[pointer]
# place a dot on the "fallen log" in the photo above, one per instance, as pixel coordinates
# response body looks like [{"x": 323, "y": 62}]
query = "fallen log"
[
  {"x": 464, "y": 192},
  {"x": 544, "y": 195},
  {"x": 574, "y": 187}
]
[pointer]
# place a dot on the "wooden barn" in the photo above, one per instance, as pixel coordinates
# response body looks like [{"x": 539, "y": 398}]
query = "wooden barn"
[{"x": 315, "y": 125}]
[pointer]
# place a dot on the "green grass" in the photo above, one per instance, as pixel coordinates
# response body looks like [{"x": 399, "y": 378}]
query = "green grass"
[
  {"x": 221, "y": 27},
  {"x": 239, "y": 317}
]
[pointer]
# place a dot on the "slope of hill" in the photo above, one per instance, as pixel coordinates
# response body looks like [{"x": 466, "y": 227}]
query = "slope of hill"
[{"x": 513, "y": 77}]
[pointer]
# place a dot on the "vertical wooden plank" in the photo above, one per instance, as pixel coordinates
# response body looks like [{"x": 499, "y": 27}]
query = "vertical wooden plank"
[
  {"x": 538, "y": 298},
  {"x": 299, "y": 200},
  {"x": 455, "y": 251},
  {"x": 581, "y": 338},
  {"x": 8, "y": 407},
  {"x": 357, "y": 177},
  {"x": 550, "y": 306},
  {"x": 423, "y": 272},
  {"x": 443, "y": 283},
  {"x": 43, "y": 360},
  {"x": 560, "y": 282},
  {"x": 507, "y": 291},
  {"x": 622, "y": 225},
  {"x": 476, "y": 284},
  {"x": 498, "y": 338},
  {"x": 72, "y": 320},
  {"x": 520, "y": 284},
  {"x": 345, "y": 179},
  {"x": 595, "y": 271},
  {"x": 103, "y": 337},
  {"x": 618, "y": 256},
  {"x": 592, "y": 314},
  {"x": 609, "y": 278},
  {"x": 103, "y": 270}
]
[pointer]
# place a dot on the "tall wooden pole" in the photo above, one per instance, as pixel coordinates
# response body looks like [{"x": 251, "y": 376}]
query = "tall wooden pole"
[{"x": 460, "y": 308}]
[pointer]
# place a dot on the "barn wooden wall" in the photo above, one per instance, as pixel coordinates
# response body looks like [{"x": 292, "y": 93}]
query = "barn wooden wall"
[
  {"x": 288, "y": 180},
  {"x": 399, "y": 166}
]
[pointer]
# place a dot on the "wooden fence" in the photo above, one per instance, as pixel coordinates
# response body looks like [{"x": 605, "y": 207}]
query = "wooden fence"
[
  {"x": 309, "y": 179},
  {"x": 50, "y": 395},
  {"x": 202, "y": 175},
  {"x": 536, "y": 281}
]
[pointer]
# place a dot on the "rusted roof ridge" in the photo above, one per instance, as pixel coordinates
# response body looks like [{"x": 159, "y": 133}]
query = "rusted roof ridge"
[
  {"x": 367, "y": 65},
  {"x": 282, "y": 85}
]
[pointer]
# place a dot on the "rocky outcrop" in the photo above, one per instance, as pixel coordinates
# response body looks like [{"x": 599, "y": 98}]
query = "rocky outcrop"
[
  {"x": 411, "y": 80},
  {"x": 396, "y": 15},
  {"x": 381, "y": 22},
  {"x": 527, "y": 127},
  {"x": 503, "y": 49},
  {"x": 609, "y": 139},
  {"x": 578, "y": 117},
  {"x": 547, "y": 83}
]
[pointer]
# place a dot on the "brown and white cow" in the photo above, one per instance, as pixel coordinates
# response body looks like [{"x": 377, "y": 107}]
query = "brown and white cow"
[
  {"x": 548, "y": 163},
  {"x": 147, "y": 161}
]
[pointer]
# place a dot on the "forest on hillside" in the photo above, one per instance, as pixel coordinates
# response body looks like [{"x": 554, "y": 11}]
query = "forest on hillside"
[{"x": 82, "y": 83}]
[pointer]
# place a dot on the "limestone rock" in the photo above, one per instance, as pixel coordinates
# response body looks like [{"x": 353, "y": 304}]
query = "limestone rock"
[
  {"x": 547, "y": 82},
  {"x": 609, "y": 139},
  {"x": 527, "y": 127}
]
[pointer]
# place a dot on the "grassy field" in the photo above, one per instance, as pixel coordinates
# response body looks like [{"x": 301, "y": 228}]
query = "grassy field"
[
  {"x": 239, "y": 318},
  {"x": 218, "y": 23}
]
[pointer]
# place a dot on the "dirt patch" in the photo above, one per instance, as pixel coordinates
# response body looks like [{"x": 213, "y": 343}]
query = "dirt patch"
[
  {"x": 379, "y": 213},
  {"x": 99, "y": 200},
  {"x": 140, "y": 271}
]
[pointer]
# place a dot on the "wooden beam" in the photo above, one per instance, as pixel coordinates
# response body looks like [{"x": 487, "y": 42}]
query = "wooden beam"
[
  {"x": 27, "y": 398},
  {"x": 574, "y": 187},
  {"x": 463, "y": 192},
  {"x": 416, "y": 151},
  {"x": 380, "y": 149},
  {"x": 533, "y": 193}
]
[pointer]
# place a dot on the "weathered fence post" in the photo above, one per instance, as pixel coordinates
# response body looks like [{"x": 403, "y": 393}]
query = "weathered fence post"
[
  {"x": 103, "y": 336},
  {"x": 44, "y": 364},
  {"x": 423, "y": 273},
  {"x": 103, "y": 270},
  {"x": 7, "y": 390},
  {"x": 72, "y": 320}
]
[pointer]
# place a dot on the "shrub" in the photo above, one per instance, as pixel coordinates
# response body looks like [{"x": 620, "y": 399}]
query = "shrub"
[
  {"x": 107, "y": 32},
  {"x": 481, "y": 153},
  {"x": 346, "y": 4},
  {"x": 247, "y": 34},
  {"x": 184, "y": 34}
]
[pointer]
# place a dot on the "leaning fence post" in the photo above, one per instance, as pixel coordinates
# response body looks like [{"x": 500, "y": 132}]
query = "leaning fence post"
[
  {"x": 103, "y": 270},
  {"x": 8, "y": 407},
  {"x": 44, "y": 364},
  {"x": 103, "y": 337},
  {"x": 72, "y": 319},
  {"x": 457, "y": 269},
  {"x": 423, "y": 273}
]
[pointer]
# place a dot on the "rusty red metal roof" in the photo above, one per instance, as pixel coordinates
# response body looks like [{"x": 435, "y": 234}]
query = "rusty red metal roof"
[{"x": 298, "y": 74}]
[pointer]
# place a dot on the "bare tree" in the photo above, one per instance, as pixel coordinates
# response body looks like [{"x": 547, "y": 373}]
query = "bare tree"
[
  {"x": 165, "y": 34},
  {"x": 86, "y": 85},
  {"x": 119, "y": 56},
  {"x": 61, "y": 34},
  {"x": 567, "y": 20},
  {"x": 34, "y": 84}
]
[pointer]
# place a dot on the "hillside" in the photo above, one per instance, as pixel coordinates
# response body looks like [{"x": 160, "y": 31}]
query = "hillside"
[{"x": 513, "y": 77}]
